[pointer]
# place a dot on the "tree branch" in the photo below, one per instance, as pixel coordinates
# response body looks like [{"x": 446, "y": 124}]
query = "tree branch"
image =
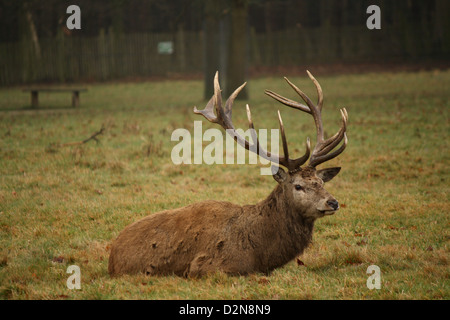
[{"x": 93, "y": 137}]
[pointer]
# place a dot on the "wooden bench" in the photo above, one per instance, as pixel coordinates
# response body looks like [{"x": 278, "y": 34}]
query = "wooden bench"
[{"x": 35, "y": 94}]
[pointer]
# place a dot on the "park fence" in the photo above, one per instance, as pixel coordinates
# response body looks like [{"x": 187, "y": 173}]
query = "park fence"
[{"x": 110, "y": 56}]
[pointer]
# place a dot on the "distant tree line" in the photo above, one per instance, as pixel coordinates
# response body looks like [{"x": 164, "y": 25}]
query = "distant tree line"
[
  {"x": 227, "y": 35},
  {"x": 142, "y": 16}
]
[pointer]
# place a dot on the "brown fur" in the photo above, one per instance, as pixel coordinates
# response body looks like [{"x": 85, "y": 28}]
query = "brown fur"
[{"x": 220, "y": 236}]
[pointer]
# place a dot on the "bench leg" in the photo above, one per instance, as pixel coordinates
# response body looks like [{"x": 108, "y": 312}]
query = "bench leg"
[
  {"x": 34, "y": 99},
  {"x": 75, "y": 99}
]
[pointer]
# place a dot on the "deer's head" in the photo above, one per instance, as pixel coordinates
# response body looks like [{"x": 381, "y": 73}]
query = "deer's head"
[
  {"x": 303, "y": 187},
  {"x": 304, "y": 191}
]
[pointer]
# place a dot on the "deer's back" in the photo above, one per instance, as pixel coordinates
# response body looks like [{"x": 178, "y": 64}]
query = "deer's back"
[{"x": 184, "y": 241}]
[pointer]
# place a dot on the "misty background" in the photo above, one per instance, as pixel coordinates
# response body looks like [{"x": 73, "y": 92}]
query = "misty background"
[{"x": 134, "y": 39}]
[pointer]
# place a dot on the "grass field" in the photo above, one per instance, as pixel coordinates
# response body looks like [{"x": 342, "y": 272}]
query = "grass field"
[{"x": 63, "y": 205}]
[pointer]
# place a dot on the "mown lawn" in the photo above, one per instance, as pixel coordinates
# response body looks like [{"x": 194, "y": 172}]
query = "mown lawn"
[{"x": 63, "y": 205}]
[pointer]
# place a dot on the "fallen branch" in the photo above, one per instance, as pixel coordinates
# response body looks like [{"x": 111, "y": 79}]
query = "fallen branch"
[
  {"x": 53, "y": 147},
  {"x": 93, "y": 137}
]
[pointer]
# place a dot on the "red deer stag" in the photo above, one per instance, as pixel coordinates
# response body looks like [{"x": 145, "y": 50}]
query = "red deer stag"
[{"x": 220, "y": 236}]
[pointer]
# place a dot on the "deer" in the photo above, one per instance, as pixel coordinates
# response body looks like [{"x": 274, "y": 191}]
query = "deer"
[{"x": 219, "y": 236}]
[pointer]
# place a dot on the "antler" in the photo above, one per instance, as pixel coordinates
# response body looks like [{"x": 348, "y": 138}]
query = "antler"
[
  {"x": 321, "y": 152},
  {"x": 222, "y": 116}
]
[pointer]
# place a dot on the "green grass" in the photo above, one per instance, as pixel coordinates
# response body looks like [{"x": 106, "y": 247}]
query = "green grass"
[{"x": 62, "y": 206}]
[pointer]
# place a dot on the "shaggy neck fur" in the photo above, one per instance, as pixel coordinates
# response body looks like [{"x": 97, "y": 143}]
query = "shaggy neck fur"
[{"x": 285, "y": 232}]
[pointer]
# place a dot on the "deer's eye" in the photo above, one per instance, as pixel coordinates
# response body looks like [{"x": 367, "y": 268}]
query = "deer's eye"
[{"x": 298, "y": 187}]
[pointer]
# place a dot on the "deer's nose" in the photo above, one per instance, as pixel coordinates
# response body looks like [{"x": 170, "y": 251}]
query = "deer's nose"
[{"x": 333, "y": 204}]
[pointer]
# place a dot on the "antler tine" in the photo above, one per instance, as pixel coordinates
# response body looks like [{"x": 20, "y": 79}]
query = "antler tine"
[
  {"x": 300, "y": 161},
  {"x": 218, "y": 97},
  {"x": 253, "y": 131},
  {"x": 332, "y": 142},
  {"x": 284, "y": 161},
  {"x": 230, "y": 100},
  {"x": 314, "y": 111},
  {"x": 319, "y": 91},
  {"x": 287, "y": 102},
  {"x": 291, "y": 164},
  {"x": 315, "y": 161},
  {"x": 283, "y": 137},
  {"x": 208, "y": 112}
]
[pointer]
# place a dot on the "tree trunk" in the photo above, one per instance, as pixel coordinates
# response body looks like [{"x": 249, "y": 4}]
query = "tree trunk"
[
  {"x": 211, "y": 46},
  {"x": 33, "y": 32},
  {"x": 237, "y": 53}
]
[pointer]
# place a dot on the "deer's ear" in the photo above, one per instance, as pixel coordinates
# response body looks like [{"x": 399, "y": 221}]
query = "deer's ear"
[
  {"x": 328, "y": 173},
  {"x": 278, "y": 174}
]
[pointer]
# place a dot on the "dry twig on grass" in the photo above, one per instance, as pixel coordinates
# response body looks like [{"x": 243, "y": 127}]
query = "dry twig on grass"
[
  {"x": 53, "y": 147},
  {"x": 93, "y": 137}
]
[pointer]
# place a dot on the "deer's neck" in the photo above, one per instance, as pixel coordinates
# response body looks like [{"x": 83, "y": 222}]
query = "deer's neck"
[
  {"x": 277, "y": 206},
  {"x": 286, "y": 232}
]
